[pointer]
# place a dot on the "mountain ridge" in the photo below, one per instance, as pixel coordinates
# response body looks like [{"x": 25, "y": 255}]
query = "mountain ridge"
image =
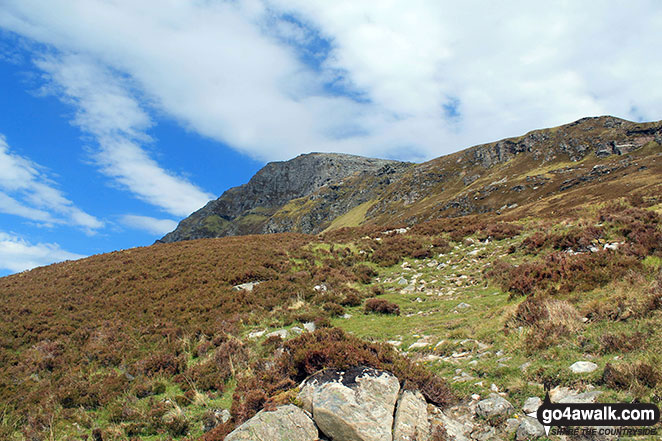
[{"x": 316, "y": 192}]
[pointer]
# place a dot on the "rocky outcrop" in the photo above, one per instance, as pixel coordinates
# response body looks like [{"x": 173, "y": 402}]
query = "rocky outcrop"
[
  {"x": 249, "y": 208},
  {"x": 286, "y": 423},
  {"x": 356, "y": 405},
  {"x": 365, "y": 404}
]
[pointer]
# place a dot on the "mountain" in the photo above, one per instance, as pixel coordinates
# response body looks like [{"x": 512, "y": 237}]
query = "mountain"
[
  {"x": 296, "y": 195},
  {"x": 317, "y": 192},
  {"x": 472, "y": 309}
]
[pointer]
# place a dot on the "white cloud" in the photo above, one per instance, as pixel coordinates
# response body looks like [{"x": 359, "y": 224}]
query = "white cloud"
[
  {"x": 16, "y": 254},
  {"x": 432, "y": 76},
  {"x": 27, "y": 192},
  {"x": 106, "y": 109},
  {"x": 150, "y": 224}
]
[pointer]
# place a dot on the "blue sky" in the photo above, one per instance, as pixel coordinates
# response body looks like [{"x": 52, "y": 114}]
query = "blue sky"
[{"x": 119, "y": 118}]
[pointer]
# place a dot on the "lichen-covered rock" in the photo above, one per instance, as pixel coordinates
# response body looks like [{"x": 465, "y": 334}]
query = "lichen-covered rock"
[
  {"x": 286, "y": 423},
  {"x": 353, "y": 405},
  {"x": 411, "y": 418}
]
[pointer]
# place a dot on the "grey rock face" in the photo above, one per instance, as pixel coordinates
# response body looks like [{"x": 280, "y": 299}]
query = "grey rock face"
[
  {"x": 276, "y": 184},
  {"x": 493, "y": 406},
  {"x": 411, "y": 418},
  {"x": 356, "y": 405},
  {"x": 287, "y": 423}
]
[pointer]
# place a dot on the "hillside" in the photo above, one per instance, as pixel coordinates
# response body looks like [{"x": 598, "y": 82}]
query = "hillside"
[
  {"x": 581, "y": 162},
  {"x": 171, "y": 340}
]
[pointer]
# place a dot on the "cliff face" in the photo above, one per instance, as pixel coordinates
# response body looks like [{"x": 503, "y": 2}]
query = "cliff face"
[
  {"x": 250, "y": 208},
  {"x": 591, "y": 158}
]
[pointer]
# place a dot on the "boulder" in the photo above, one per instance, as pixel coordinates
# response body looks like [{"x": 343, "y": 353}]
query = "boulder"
[
  {"x": 353, "y": 405},
  {"x": 494, "y": 406},
  {"x": 411, "y": 418},
  {"x": 529, "y": 428},
  {"x": 286, "y": 423}
]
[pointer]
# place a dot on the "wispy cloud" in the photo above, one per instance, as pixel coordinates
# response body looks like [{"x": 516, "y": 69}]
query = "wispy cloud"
[
  {"x": 26, "y": 191},
  {"x": 275, "y": 78},
  {"x": 106, "y": 109},
  {"x": 149, "y": 224},
  {"x": 17, "y": 254}
]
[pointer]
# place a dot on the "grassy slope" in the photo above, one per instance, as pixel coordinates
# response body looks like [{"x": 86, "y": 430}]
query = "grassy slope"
[{"x": 98, "y": 319}]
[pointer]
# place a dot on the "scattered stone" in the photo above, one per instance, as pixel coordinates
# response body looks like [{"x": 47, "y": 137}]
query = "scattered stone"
[
  {"x": 484, "y": 433},
  {"x": 346, "y": 316},
  {"x": 567, "y": 395},
  {"x": 524, "y": 366},
  {"x": 583, "y": 367},
  {"x": 256, "y": 334},
  {"x": 402, "y": 281},
  {"x": 494, "y": 388},
  {"x": 286, "y": 423},
  {"x": 395, "y": 343},
  {"x": 248, "y": 286},
  {"x": 529, "y": 428},
  {"x": 296, "y": 330},
  {"x": 469, "y": 241},
  {"x": 411, "y": 418},
  {"x": 531, "y": 404},
  {"x": 320, "y": 288},
  {"x": 511, "y": 425},
  {"x": 419, "y": 344},
  {"x": 463, "y": 305},
  {"x": 611, "y": 246},
  {"x": 282, "y": 333},
  {"x": 495, "y": 405},
  {"x": 456, "y": 429},
  {"x": 310, "y": 326}
]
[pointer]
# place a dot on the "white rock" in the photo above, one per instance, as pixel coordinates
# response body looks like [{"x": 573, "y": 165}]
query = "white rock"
[
  {"x": 256, "y": 334},
  {"x": 310, "y": 326},
  {"x": 248, "y": 286},
  {"x": 582, "y": 367}
]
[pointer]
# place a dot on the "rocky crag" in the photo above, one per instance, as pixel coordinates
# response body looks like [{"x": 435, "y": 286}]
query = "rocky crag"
[
  {"x": 588, "y": 160},
  {"x": 301, "y": 194}
]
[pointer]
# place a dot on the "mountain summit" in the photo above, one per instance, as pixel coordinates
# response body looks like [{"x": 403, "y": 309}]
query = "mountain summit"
[
  {"x": 321, "y": 191},
  {"x": 255, "y": 206}
]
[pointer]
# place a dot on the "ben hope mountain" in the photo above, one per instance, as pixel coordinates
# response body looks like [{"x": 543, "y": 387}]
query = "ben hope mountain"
[
  {"x": 335, "y": 297},
  {"x": 322, "y": 191}
]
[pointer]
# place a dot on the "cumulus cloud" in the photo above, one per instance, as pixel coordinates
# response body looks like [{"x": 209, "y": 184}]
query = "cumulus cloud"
[
  {"x": 17, "y": 254},
  {"x": 152, "y": 225},
  {"x": 27, "y": 192},
  {"x": 413, "y": 80}
]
